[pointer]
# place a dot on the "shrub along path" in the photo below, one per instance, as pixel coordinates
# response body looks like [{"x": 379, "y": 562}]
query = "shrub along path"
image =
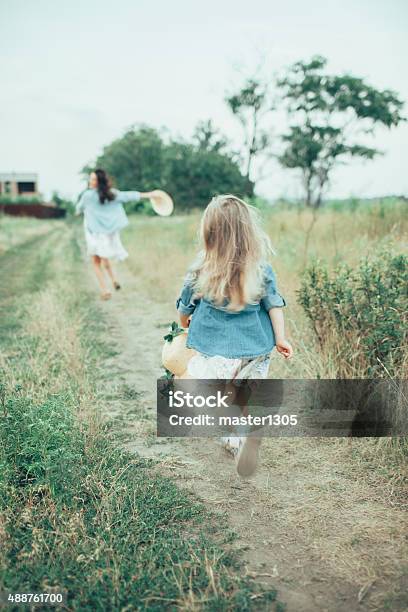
[{"x": 322, "y": 520}]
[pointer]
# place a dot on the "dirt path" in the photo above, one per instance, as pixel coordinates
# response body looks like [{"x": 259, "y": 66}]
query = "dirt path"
[{"x": 317, "y": 521}]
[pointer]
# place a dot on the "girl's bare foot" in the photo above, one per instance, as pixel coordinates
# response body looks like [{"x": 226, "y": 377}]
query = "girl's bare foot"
[{"x": 106, "y": 295}]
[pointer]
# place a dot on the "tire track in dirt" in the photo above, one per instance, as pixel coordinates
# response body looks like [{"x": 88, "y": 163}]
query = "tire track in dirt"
[{"x": 294, "y": 517}]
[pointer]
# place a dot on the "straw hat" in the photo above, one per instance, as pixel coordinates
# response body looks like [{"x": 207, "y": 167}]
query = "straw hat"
[
  {"x": 175, "y": 354},
  {"x": 162, "y": 203}
]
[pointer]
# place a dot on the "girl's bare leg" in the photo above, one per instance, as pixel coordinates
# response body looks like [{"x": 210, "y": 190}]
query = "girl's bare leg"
[
  {"x": 96, "y": 262},
  {"x": 107, "y": 265},
  {"x": 247, "y": 457}
]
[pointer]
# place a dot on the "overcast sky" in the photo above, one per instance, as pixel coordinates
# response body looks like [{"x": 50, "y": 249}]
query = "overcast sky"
[{"x": 75, "y": 74}]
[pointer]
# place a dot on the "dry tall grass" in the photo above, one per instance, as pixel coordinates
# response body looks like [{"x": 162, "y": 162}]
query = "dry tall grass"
[{"x": 161, "y": 250}]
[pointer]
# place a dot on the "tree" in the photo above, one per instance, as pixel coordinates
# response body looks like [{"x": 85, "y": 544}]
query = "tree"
[
  {"x": 61, "y": 202},
  {"x": 208, "y": 138},
  {"x": 196, "y": 174},
  {"x": 329, "y": 113},
  {"x": 250, "y": 105},
  {"x": 134, "y": 159},
  {"x": 192, "y": 172}
]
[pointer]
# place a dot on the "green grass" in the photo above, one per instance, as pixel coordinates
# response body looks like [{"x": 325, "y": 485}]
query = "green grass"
[
  {"x": 100, "y": 524},
  {"x": 77, "y": 514}
]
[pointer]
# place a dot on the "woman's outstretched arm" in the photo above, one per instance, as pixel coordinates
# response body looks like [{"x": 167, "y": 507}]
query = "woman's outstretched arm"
[{"x": 134, "y": 196}]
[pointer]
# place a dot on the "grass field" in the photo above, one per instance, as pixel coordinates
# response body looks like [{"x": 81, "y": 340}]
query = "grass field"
[
  {"x": 322, "y": 523},
  {"x": 162, "y": 249},
  {"x": 77, "y": 514}
]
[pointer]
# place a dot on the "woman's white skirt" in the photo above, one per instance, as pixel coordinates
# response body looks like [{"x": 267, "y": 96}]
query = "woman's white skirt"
[{"x": 105, "y": 245}]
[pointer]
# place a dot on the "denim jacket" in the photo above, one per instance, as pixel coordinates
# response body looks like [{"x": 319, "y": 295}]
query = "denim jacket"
[
  {"x": 214, "y": 330},
  {"x": 108, "y": 217}
]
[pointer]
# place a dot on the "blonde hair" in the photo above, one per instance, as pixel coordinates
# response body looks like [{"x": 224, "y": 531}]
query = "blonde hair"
[{"x": 229, "y": 268}]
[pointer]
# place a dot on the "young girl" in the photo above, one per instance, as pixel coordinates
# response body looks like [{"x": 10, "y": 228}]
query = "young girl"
[
  {"x": 104, "y": 217},
  {"x": 231, "y": 305}
]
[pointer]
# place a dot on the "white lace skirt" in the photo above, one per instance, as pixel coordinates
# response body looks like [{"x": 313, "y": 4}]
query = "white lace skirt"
[
  {"x": 105, "y": 245},
  {"x": 203, "y": 366}
]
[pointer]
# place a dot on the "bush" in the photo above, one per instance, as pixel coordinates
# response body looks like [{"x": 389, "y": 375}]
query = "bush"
[
  {"x": 61, "y": 202},
  {"x": 260, "y": 203},
  {"x": 360, "y": 316},
  {"x": 192, "y": 172},
  {"x": 141, "y": 207},
  {"x": 8, "y": 199}
]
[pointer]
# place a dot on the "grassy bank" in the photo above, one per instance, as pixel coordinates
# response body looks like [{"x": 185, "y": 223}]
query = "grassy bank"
[{"x": 77, "y": 514}]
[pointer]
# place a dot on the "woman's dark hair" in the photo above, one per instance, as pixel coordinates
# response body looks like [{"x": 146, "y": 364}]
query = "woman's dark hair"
[{"x": 104, "y": 186}]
